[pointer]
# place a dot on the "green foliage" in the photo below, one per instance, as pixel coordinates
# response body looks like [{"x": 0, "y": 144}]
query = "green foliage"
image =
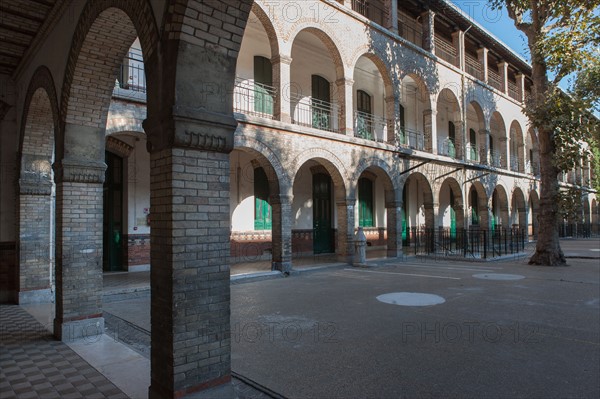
[{"x": 570, "y": 206}]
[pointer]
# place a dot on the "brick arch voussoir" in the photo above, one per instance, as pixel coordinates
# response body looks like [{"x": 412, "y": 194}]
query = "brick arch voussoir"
[
  {"x": 335, "y": 168},
  {"x": 329, "y": 40},
  {"x": 391, "y": 193},
  {"x": 267, "y": 24}
]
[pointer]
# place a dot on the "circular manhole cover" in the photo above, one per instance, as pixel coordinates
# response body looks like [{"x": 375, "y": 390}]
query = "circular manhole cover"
[
  {"x": 498, "y": 276},
  {"x": 411, "y": 299}
]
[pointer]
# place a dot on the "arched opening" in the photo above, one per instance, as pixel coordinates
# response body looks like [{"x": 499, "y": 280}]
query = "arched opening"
[
  {"x": 478, "y": 207},
  {"x": 371, "y": 91},
  {"x": 451, "y": 213},
  {"x": 36, "y": 200},
  {"x": 519, "y": 211},
  {"x": 517, "y": 159},
  {"x": 475, "y": 124},
  {"x": 255, "y": 91},
  {"x": 318, "y": 223},
  {"x": 497, "y": 150},
  {"x": 449, "y": 125},
  {"x": 315, "y": 69},
  {"x": 532, "y": 163},
  {"x": 414, "y": 104},
  {"x": 418, "y": 216},
  {"x": 499, "y": 208}
]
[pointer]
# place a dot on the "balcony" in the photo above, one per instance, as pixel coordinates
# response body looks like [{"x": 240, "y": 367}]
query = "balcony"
[
  {"x": 318, "y": 114},
  {"x": 411, "y": 139},
  {"x": 472, "y": 153},
  {"x": 515, "y": 165},
  {"x": 447, "y": 148},
  {"x": 252, "y": 98},
  {"x": 495, "y": 80},
  {"x": 410, "y": 29},
  {"x": 513, "y": 91},
  {"x": 496, "y": 159},
  {"x": 473, "y": 67},
  {"x": 446, "y": 51},
  {"x": 131, "y": 77},
  {"x": 374, "y": 10},
  {"x": 370, "y": 127}
]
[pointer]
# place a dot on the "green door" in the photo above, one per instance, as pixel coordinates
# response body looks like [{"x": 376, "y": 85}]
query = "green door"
[
  {"x": 322, "y": 231},
  {"x": 452, "y": 217},
  {"x": 365, "y": 203},
  {"x": 263, "y": 219},
  {"x": 113, "y": 214},
  {"x": 263, "y": 80}
]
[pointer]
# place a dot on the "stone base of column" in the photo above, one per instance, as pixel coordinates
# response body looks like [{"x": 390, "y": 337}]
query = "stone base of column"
[
  {"x": 284, "y": 267},
  {"x": 44, "y": 295},
  {"x": 345, "y": 258},
  {"x": 394, "y": 253},
  {"x": 88, "y": 329},
  {"x": 221, "y": 388}
]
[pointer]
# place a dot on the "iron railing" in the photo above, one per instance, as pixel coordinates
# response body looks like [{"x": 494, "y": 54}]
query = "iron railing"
[
  {"x": 315, "y": 113},
  {"x": 513, "y": 91},
  {"x": 496, "y": 159},
  {"x": 369, "y": 126},
  {"x": 252, "y": 98},
  {"x": 473, "y": 67},
  {"x": 410, "y": 29},
  {"x": 373, "y": 10},
  {"x": 495, "y": 80},
  {"x": 472, "y": 152},
  {"x": 465, "y": 243},
  {"x": 410, "y": 139},
  {"x": 447, "y": 148},
  {"x": 131, "y": 75},
  {"x": 579, "y": 230},
  {"x": 445, "y": 51},
  {"x": 515, "y": 163}
]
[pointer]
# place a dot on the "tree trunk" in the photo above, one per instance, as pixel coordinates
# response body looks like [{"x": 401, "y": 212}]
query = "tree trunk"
[{"x": 547, "y": 250}]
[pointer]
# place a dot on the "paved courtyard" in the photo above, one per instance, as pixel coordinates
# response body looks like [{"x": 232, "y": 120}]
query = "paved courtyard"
[{"x": 491, "y": 330}]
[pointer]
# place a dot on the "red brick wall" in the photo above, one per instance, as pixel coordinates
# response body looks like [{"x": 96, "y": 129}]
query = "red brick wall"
[{"x": 137, "y": 251}]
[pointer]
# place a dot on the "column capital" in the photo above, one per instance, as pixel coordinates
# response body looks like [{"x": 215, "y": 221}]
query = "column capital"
[
  {"x": 76, "y": 170},
  {"x": 35, "y": 186},
  {"x": 344, "y": 81},
  {"x": 430, "y": 112},
  {"x": 281, "y": 58},
  {"x": 205, "y": 131}
]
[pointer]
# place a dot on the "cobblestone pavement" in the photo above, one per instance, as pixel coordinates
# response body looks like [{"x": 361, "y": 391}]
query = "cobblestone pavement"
[{"x": 34, "y": 365}]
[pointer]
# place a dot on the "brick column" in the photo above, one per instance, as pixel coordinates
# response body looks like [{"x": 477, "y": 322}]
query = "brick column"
[
  {"x": 458, "y": 40},
  {"x": 484, "y": 146},
  {"x": 394, "y": 229},
  {"x": 345, "y": 229},
  {"x": 482, "y": 55},
  {"x": 429, "y": 129},
  {"x": 79, "y": 215},
  {"x": 34, "y": 246},
  {"x": 281, "y": 80},
  {"x": 459, "y": 142},
  {"x": 346, "y": 119},
  {"x": 503, "y": 66},
  {"x": 503, "y": 150},
  {"x": 190, "y": 305},
  {"x": 282, "y": 232},
  {"x": 428, "y": 18},
  {"x": 392, "y": 115}
]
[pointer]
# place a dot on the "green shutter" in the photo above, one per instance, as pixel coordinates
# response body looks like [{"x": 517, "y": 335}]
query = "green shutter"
[
  {"x": 365, "y": 203},
  {"x": 452, "y": 217},
  {"x": 364, "y": 126},
  {"x": 451, "y": 139},
  {"x": 402, "y": 126},
  {"x": 473, "y": 141},
  {"x": 320, "y": 92},
  {"x": 263, "y": 78},
  {"x": 262, "y": 210}
]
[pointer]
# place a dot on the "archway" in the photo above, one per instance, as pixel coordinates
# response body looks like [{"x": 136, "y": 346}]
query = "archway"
[
  {"x": 449, "y": 125},
  {"x": 517, "y": 158},
  {"x": 478, "y": 207},
  {"x": 418, "y": 205},
  {"x": 499, "y": 209},
  {"x": 415, "y": 107},
  {"x": 519, "y": 211},
  {"x": 475, "y": 126},
  {"x": 498, "y": 139}
]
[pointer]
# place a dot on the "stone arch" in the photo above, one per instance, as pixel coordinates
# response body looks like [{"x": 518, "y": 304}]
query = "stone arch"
[
  {"x": 478, "y": 212},
  {"x": 382, "y": 67},
  {"x": 267, "y": 24},
  {"x": 39, "y": 126},
  {"x": 499, "y": 208},
  {"x": 475, "y": 129},
  {"x": 423, "y": 88},
  {"x": 328, "y": 40},
  {"x": 332, "y": 163},
  {"x": 448, "y": 111},
  {"x": 418, "y": 202},
  {"x": 498, "y": 140},
  {"x": 367, "y": 164},
  {"x": 444, "y": 203},
  {"x": 519, "y": 209},
  {"x": 415, "y": 130},
  {"x": 517, "y": 145}
]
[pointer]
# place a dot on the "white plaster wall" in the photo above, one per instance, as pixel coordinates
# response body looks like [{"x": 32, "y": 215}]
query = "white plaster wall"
[
  {"x": 241, "y": 200},
  {"x": 136, "y": 185}
]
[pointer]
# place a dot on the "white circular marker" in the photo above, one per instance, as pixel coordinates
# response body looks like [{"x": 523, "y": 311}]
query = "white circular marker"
[
  {"x": 498, "y": 276},
  {"x": 411, "y": 299}
]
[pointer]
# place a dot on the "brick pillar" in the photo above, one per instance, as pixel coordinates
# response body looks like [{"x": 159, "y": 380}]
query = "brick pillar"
[
  {"x": 482, "y": 55},
  {"x": 392, "y": 115},
  {"x": 282, "y": 232},
  {"x": 394, "y": 229},
  {"x": 79, "y": 216},
  {"x": 34, "y": 247},
  {"x": 503, "y": 152},
  {"x": 428, "y": 18},
  {"x": 346, "y": 119},
  {"x": 459, "y": 142},
  {"x": 503, "y": 66},
  {"x": 281, "y": 80},
  {"x": 458, "y": 41},
  {"x": 484, "y": 146},
  {"x": 429, "y": 129},
  {"x": 345, "y": 229}
]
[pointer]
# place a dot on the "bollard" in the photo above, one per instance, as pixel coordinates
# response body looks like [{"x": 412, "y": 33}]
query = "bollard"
[{"x": 360, "y": 249}]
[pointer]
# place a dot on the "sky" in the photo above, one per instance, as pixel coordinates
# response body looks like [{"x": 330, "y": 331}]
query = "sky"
[{"x": 497, "y": 22}]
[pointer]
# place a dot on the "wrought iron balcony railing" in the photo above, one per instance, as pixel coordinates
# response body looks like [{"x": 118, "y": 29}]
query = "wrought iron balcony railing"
[
  {"x": 369, "y": 126},
  {"x": 254, "y": 98}
]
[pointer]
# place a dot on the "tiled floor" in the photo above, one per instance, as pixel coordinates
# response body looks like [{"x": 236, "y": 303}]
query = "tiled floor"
[{"x": 34, "y": 365}]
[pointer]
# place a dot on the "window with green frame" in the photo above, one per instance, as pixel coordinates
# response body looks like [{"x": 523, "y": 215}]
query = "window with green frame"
[
  {"x": 263, "y": 218},
  {"x": 451, "y": 139},
  {"x": 364, "y": 126},
  {"x": 263, "y": 78},
  {"x": 365, "y": 203},
  {"x": 402, "y": 134},
  {"x": 474, "y": 208},
  {"x": 473, "y": 142}
]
